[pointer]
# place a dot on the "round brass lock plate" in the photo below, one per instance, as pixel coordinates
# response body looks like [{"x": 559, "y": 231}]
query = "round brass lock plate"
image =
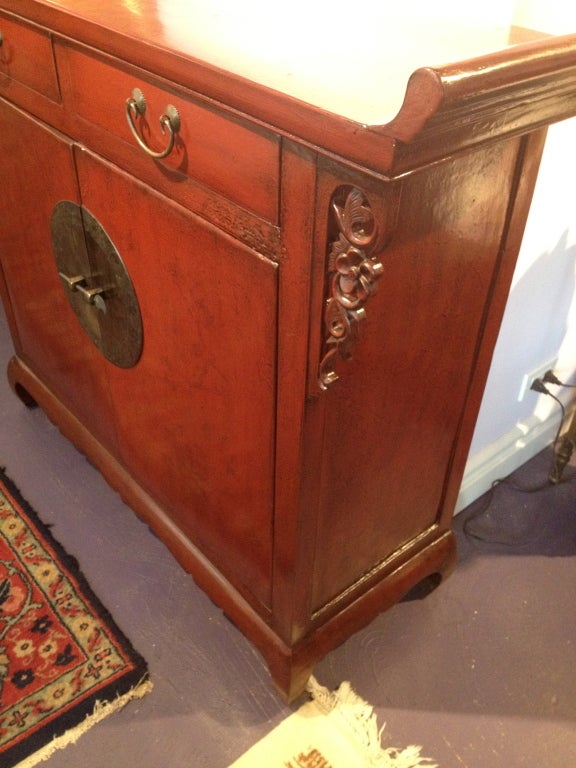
[{"x": 97, "y": 283}]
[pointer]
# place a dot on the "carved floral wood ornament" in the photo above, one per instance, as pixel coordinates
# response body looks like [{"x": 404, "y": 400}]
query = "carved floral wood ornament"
[{"x": 353, "y": 275}]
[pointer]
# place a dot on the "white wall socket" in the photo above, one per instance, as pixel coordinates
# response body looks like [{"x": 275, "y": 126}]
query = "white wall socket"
[{"x": 535, "y": 373}]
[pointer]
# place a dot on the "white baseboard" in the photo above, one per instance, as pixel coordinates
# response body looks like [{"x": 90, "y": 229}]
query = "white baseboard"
[{"x": 502, "y": 457}]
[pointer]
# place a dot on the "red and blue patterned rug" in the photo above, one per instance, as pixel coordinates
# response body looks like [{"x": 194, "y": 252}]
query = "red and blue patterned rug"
[{"x": 64, "y": 664}]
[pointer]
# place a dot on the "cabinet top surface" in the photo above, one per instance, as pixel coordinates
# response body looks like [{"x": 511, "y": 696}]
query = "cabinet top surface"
[
  {"x": 351, "y": 62},
  {"x": 323, "y": 52},
  {"x": 326, "y": 71}
]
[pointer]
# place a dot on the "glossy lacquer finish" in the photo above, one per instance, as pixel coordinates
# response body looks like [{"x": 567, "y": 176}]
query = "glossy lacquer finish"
[{"x": 319, "y": 288}]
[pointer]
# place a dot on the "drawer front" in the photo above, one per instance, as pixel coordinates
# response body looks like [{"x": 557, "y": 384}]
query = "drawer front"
[
  {"x": 26, "y": 56},
  {"x": 220, "y": 151}
]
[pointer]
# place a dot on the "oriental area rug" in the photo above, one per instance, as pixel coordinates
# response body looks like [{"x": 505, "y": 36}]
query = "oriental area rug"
[
  {"x": 64, "y": 665},
  {"x": 335, "y": 729}
]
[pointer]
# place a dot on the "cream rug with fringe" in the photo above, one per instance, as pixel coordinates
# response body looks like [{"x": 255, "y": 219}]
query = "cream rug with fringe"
[{"x": 333, "y": 730}]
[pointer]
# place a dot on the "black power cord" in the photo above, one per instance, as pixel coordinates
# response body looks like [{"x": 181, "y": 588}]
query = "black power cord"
[
  {"x": 564, "y": 441},
  {"x": 563, "y": 444},
  {"x": 551, "y": 378},
  {"x": 562, "y": 453}
]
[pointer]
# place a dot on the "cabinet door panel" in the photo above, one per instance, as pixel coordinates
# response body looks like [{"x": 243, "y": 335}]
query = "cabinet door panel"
[
  {"x": 49, "y": 338},
  {"x": 195, "y": 415}
]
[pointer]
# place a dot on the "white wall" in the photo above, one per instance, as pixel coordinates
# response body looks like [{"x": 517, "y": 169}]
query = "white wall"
[
  {"x": 554, "y": 16},
  {"x": 539, "y": 327}
]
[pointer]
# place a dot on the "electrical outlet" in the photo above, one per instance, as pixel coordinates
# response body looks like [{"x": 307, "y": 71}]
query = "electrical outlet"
[{"x": 535, "y": 373}]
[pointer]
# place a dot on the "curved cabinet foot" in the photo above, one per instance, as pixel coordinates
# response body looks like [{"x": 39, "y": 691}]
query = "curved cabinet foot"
[{"x": 17, "y": 387}]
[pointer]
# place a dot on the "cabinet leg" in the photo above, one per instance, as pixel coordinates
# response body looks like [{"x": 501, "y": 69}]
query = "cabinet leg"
[
  {"x": 290, "y": 680},
  {"x": 19, "y": 390}
]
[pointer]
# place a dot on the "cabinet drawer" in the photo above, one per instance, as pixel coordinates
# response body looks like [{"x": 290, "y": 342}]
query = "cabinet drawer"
[
  {"x": 26, "y": 56},
  {"x": 220, "y": 150}
]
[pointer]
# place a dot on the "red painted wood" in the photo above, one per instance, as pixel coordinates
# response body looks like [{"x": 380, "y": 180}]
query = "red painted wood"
[
  {"x": 396, "y": 438},
  {"x": 195, "y": 416},
  {"x": 302, "y": 512},
  {"x": 26, "y": 57},
  {"x": 232, "y": 157},
  {"x": 48, "y": 334}
]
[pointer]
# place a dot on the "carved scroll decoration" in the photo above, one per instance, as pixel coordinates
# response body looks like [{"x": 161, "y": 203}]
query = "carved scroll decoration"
[{"x": 352, "y": 277}]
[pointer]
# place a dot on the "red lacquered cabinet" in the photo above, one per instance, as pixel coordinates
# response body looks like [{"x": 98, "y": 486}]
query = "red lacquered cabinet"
[{"x": 266, "y": 323}]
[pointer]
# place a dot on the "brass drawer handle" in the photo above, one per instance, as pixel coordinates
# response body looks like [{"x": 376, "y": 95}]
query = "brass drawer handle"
[{"x": 169, "y": 121}]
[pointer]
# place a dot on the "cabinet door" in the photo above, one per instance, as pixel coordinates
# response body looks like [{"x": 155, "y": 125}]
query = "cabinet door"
[
  {"x": 195, "y": 415},
  {"x": 37, "y": 167}
]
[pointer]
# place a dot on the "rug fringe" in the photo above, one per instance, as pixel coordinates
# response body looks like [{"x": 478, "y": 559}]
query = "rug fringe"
[
  {"x": 360, "y": 722},
  {"x": 101, "y": 711}
]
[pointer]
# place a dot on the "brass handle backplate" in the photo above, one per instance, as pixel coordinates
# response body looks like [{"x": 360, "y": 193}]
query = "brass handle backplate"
[
  {"x": 169, "y": 122},
  {"x": 98, "y": 286}
]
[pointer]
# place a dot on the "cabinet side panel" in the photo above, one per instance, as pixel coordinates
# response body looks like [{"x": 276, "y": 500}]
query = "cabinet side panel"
[
  {"x": 392, "y": 419},
  {"x": 195, "y": 415}
]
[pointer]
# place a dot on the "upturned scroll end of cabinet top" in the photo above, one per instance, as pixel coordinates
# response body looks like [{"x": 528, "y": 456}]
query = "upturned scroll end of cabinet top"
[{"x": 267, "y": 324}]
